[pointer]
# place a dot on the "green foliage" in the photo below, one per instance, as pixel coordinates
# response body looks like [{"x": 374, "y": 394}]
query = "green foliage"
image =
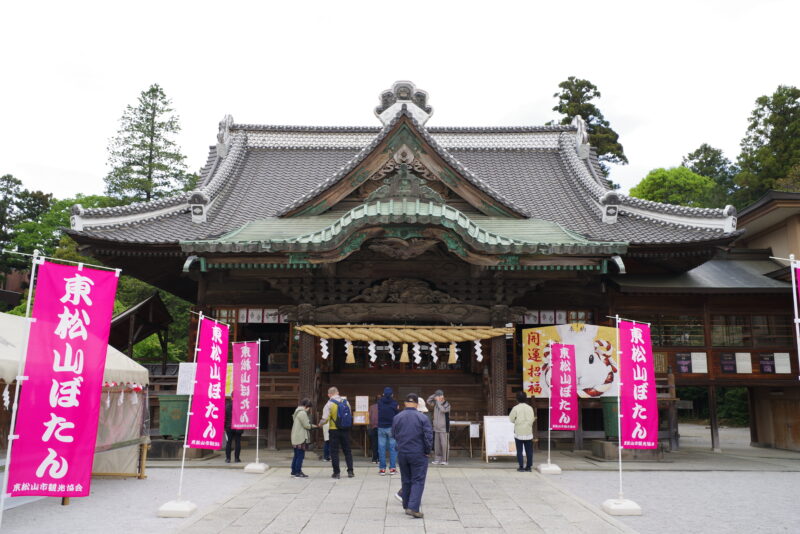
[
  {"x": 771, "y": 147},
  {"x": 146, "y": 163},
  {"x": 44, "y": 232},
  {"x": 677, "y": 185},
  {"x": 575, "y": 98},
  {"x": 732, "y": 406},
  {"x": 17, "y": 205},
  {"x": 711, "y": 162}
]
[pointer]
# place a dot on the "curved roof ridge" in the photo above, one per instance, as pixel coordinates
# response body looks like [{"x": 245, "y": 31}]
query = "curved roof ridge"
[
  {"x": 137, "y": 207},
  {"x": 442, "y": 152},
  {"x": 377, "y": 129},
  {"x": 386, "y": 211}
]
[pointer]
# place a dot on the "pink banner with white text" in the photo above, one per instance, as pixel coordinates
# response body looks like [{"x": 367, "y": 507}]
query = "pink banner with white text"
[
  {"x": 563, "y": 389},
  {"x": 207, "y": 419},
  {"x": 60, "y": 400},
  {"x": 638, "y": 400},
  {"x": 245, "y": 385}
]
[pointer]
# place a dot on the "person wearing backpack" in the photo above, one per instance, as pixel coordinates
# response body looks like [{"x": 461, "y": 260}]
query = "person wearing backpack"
[{"x": 338, "y": 414}]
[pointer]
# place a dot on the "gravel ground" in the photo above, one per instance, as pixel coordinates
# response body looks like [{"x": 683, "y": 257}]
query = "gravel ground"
[
  {"x": 126, "y": 504},
  {"x": 707, "y": 502}
]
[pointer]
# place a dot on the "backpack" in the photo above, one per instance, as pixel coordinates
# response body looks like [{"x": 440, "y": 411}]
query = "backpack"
[{"x": 344, "y": 417}]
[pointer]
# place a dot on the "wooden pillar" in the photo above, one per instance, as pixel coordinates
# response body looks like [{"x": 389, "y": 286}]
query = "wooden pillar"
[
  {"x": 307, "y": 367},
  {"x": 751, "y": 406},
  {"x": 712, "y": 414},
  {"x": 672, "y": 412},
  {"x": 579, "y": 432},
  {"x": 498, "y": 378},
  {"x": 272, "y": 429}
]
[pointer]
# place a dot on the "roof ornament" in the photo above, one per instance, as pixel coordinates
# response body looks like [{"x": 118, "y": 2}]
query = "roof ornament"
[
  {"x": 198, "y": 205},
  {"x": 581, "y": 137},
  {"x": 404, "y": 92},
  {"x": 609, "y": 206},
  {"x": 224, "y": 135}
]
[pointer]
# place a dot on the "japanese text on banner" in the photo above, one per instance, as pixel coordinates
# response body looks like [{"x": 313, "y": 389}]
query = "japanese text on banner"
[
  {"x": 638, "y": 400},
  {"x": 564, "y": 397},
  {"x": 60, "y": 400},
  {"x": 245, "y": 385},
  {"x": 207, "y": 421}
]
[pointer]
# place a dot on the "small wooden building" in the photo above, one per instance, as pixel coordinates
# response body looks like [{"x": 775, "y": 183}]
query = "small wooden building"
[{"x": 409, "y": 225}]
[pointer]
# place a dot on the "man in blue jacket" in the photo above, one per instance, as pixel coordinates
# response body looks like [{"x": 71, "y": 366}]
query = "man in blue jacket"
[
  {"x": 387, "y": 409},
  {"x": 414, "y": 436}
]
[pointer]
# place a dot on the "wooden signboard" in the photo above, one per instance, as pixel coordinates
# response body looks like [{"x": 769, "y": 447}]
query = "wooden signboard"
[
  {"x": 361, "y": 410},
  {"x": 498, "y": 436}
]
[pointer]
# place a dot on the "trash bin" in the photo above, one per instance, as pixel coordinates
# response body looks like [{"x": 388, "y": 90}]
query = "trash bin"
[
  {"x": 610, "y": 420},
  {"x": 172, "y": 415}
]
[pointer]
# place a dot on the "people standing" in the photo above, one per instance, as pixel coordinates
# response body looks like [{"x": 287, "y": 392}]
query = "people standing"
[
  {"x": 523, "y": 417},
  {"x": 441, "y": 427},
  {"x": 387, "y": 409},
  {"x": 301, "y": 437},
  {"x": 234, "y": 436},
  {"x": 414, "y": 435},
  {"x": 373, "y": 429},
  {"x": 339, "y": 416}
]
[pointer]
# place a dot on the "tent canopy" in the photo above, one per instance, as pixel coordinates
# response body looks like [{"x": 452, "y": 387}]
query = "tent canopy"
[{"x": 119, "y": 368}]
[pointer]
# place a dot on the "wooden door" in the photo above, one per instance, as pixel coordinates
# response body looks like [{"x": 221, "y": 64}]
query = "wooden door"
[{"x": 786, "y": 423}]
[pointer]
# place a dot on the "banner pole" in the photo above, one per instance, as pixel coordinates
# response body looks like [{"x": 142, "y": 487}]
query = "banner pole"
[
  {"x": 619, "y": 412},
  {"x": 189, "y": 406},
  {"x": 550, "y": 402},
  {"x": 37, "y": 260},
  {"x": 793, "y": 267},
  {"x": 258, "y": 402}
]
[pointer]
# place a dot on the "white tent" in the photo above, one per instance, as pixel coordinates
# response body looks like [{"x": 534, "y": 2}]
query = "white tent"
[
  {"x": 119, "y": 368},
  {"x": 123, "y": 427}
]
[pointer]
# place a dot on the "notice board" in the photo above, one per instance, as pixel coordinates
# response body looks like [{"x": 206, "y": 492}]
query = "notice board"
[{"x": 498, "y": 436}]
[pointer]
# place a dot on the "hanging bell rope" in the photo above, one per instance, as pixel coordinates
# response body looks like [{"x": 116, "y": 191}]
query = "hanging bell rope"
[
  {"x": 404, "y": 354},
  {"x": 405, "y": 334}
]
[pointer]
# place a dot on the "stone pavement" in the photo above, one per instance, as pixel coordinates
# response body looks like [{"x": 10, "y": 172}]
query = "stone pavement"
[{"x": 456, "y": 500}]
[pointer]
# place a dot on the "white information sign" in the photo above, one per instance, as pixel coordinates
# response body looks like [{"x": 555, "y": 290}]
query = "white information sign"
[
  {"x": 498, "y": 436},
  {"x": 744, "y": 364},
  {"x": 186, "y": 378},
  {"x": 474, "y": 430},
  {"x": 699, "y": 362},
  {"x": 782, "y": 364},
  {"x": 362, "y": 403}
]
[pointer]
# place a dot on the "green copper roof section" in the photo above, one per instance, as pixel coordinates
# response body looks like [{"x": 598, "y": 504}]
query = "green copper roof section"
[{"x": 495, "y": 235}]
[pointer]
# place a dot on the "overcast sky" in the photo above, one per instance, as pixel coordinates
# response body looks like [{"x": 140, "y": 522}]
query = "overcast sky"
[{"x": 672, "y": 75}]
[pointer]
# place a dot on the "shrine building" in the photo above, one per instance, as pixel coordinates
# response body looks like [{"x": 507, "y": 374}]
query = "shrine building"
[{"x": 413, "y": 255}]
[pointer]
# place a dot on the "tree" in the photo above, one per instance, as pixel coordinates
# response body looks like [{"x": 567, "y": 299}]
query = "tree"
[
  {"x": 771, "y": 147},
  {"x": 44, "y": 231},
  {"x": 677, "y": 185},
  {"x": 145, "y": 161},
  {"x": 16, "y": 205},
  {"x": 711, "y": 162},
  {"x": 575, "y": 99}
]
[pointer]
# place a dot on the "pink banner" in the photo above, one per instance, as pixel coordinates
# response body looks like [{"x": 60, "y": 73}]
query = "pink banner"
[
  {"x": 60, "y": 400},
  {"x": 637, "y": 389},
  {"x": 207, "y": 420},
  {"x": 563, "y": 389},
  {"x": 245, "y": 385}
]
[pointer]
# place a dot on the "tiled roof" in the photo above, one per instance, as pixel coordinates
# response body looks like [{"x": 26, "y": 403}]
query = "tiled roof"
[
  {"x": 491, "y": 234},
  {"x": 534, "y": 170}
]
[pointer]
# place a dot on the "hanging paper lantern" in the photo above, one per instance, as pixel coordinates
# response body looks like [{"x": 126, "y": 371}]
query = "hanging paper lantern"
[
  {"x": 417, "y": 355},
  {"x": 404, "y": 354},
  {"x": 434, "y": 353},
  {"x": 453, "y": 354},
  {"x": 478, "y": 351},
  {"x": 391, "y": 349},
  {"x": 323, "y": 348},
  {"x": 351, "y": 357},
  {"x": 372, "y": 354}
]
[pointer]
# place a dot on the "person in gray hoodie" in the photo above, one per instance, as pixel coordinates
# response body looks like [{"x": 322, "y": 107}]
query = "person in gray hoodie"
[{"x": 441, "y": 427}]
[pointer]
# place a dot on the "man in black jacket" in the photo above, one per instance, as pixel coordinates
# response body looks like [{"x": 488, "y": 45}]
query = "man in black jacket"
[{"x": 414, "y": 436}]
